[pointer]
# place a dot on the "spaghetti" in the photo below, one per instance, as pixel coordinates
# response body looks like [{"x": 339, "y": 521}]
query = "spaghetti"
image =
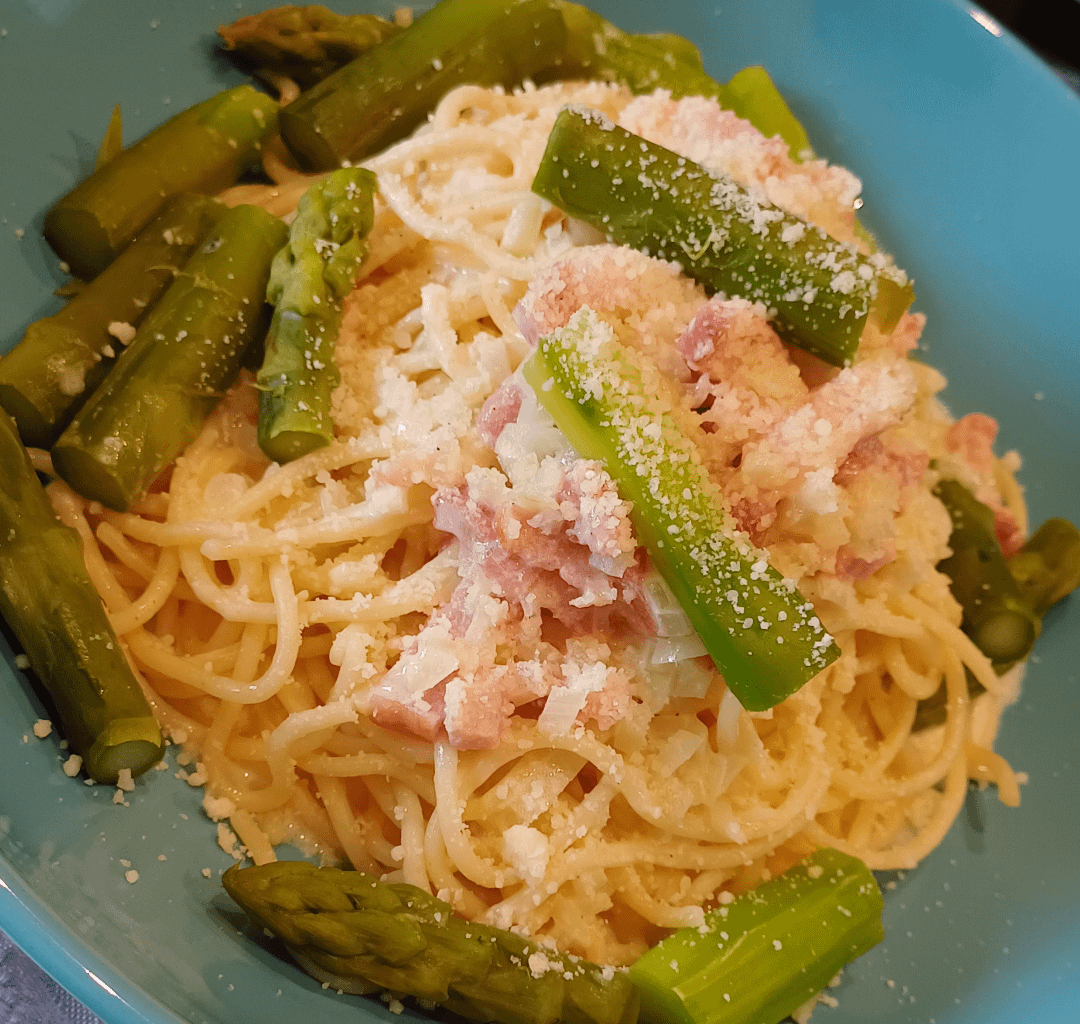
[{"x": 430, "y": 649}]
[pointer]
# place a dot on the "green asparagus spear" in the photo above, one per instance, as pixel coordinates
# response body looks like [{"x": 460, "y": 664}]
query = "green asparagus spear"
[
  {"x": 346, "y": 927},
  {"x": 203, "y": 149},
  {"x": 997, "y": 617},
  {"x": 309, "y": 278},
  {"x": 63, "y": 358},
  {"x": 50, "y": 604},
  {"x": 642, "y": 63},
  {"x": 752, "y": 95},
  {"x": 305, "y": 44},
  {"x": 765, "y": 954},
  {"x": 388, "y": 90},
  {"x": 186, "y": 352},
  {"x": 1047, "y": 567},
  {"x": 1045, "y": 570},
  {"x": 595, "y": 48},
  {"x": 818, "y": 291},
  {"x": 761, "y": 633}
]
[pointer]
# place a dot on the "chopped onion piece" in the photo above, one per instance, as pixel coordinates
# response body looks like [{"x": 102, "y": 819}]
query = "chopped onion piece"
[
  {"x": 656, "y": 681},
  {"x": 692, "y": 679},
  {"x": 532, "y": 437},
  {"x": 664, "y": 607},
  {"x": 727, "y": 721},
  {"x": 668, "y": 650},
  {"x": 677, "y": 749},
  {"x": 561, "y": 709},
  {"x": 427, "y": 666}
]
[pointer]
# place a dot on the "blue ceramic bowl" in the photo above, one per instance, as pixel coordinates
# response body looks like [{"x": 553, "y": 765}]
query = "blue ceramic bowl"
[{"x": 969, "y": 150}]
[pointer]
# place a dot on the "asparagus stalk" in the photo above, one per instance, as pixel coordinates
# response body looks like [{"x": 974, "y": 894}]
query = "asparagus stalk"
[
  {"x": 309, "y": 43},
  {"x": 595, "y": 48},
  {"x": 1047, "y": 567},
  {"x": 388, "y": 90},
  {"x": 63, "y": 358},
  {"x": 642, "y": 63},
  {"x": 186, "y": 352},
  {"x": 1041, "y": 573},
  {"x": 752, "y": 95},
  {"x": 761, "y": 633},
  {"x": 51, "y": 606},
  {"x": 765, "y": 954},
  {"x": 202, "y": 149},
  {"x": 818, "y": 291},
  {"x": 997, "y": 617},
  {"x": 348, "y": 928},
  {"x": 309, "y": 278},
  {"x": 305, "y": 44}
]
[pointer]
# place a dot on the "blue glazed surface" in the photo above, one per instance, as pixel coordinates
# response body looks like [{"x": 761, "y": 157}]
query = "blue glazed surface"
[{"x": 970, "y": 155}]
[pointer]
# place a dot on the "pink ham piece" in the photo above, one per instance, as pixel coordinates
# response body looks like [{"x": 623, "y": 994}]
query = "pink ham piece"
[
  {"x": 602, "y": 277},
  {"x": 514, "y": 569},
  {"x": 851, "y": 567},
  {"x": 695, "y": 124},
  {"x": 479, "y": 706},
  {"x": 906, "y": 334},
  {"x": 799, "y": 457},
  {"x": 730, "y": 340},
  {"x": 501, "y": 408},
  {"x": 1008, "y": 531},
  {"x": 857, "y": 402},
  {"x": 907, "y": 465},
  {"x": 972, "y": 438},
  {"x": 539, "y": 567},
  {"x": 747, "y": 380},
  {"x": 589, "y": 500},
  {"x": 421, "y": 716}
]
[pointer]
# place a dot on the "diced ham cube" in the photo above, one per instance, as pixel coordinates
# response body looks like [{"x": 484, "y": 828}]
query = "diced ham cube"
[
  {"x": 972, "y": 438},
  {"x": 501, "y": 408}
]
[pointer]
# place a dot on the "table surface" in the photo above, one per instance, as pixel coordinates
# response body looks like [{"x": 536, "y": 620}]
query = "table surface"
[{"x": 29, "y": 996}]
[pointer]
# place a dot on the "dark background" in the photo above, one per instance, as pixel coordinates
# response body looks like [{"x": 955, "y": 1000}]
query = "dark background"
[{"x": 1050, "y": 27}]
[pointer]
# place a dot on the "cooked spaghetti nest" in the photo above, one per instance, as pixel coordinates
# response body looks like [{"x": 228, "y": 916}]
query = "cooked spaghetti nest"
[{"x": 263, "y": 605}]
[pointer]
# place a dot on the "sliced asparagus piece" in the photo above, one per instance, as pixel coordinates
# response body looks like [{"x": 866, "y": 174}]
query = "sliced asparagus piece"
[
  {"x": 62, "y": 358},
  {"x": 306, "y": 43},
  {"x": 1047, "y": 567},
  {"x": 47, "y": 599},
  {"x": 763, "y": 955},
  {"x": 997, "y": 617},
  {"x": 186, "y": 352},
  {"x": 347, "y": 927},
  {"x": 761, "y": 633},
  {"x": 388, "y": 90},
  {"x": 818, "y": 292},
  {"x": 1046, "y": 570},
  {"x": 752, "y": 95},
  {"x": 202, "y": 149},
  {"x": 309, "y": 279},
  {"x": 595, "y": 48}
]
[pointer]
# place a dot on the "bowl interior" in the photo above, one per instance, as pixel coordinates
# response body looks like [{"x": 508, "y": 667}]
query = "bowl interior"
[{"x": 968, "y": 149}]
